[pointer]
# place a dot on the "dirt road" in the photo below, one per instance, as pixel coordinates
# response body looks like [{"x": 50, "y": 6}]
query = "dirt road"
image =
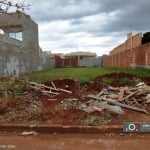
[{"x": 111, "y": 141}]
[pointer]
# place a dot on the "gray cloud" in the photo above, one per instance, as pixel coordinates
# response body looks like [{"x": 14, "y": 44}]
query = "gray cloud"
[
  {"x": 63, "y": 9},
  {"x": 134, "y": 18},
  {"x": 130, "y": 14},
  {"x": 94, "y": 18}
]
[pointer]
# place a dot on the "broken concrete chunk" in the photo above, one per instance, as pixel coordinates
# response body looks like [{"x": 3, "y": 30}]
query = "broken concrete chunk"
[
  {"x": 89, "y": 109},
  {"x": 112, "y": 108},
  {"x": 100, "y": 109},
  {"x": 120, "y": 104},
  {"x": 25, "y": 133},
  {"x": 115, "y": 109},
  {"x": 83, "y": 105}
]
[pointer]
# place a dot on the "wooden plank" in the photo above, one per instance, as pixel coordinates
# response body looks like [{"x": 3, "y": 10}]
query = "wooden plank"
[
  {"x": 48, "y": 87},
  {"x": 113, "y": 96},
  {"x": 98, "y": 109},
  {"x": 43, "y": 91},
  {"x": 141, "y": 93},
  {"x": 64, "y": 90},
  {"x": 100, "y": 93},
  {"x": 49, "y": 92},
  {"x": 137, "y": 103},
  {"x": 119, "y": 104},
  {"x": 53, "y": 85},
  {"x": 130, "y": 95},
  {"x": 122, "y": 91},
  {"x": 42, "y": 85}
]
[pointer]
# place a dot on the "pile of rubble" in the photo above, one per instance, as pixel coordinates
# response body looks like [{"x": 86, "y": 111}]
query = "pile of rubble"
[
  {"x": 113, "y": 99},
  {"x": 54, "y": 101}
]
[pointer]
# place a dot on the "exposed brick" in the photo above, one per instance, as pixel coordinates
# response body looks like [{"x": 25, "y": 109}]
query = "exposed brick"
[{"x": 139, "y": 55}]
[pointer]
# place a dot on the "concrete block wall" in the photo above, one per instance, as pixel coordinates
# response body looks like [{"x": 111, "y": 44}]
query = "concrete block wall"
[
  {"x": 25, "y": 55},
  {"x": 90, "y": 62},
  {"x": 14, "y": 59},
  {"x": 72, "y": 62},
  {"x": 46, "y": 61}
]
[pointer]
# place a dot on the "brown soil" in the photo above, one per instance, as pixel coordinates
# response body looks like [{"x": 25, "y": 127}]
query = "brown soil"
[
  {"x": 33, "y": 107},
  {"x": 107, "y": 141}
]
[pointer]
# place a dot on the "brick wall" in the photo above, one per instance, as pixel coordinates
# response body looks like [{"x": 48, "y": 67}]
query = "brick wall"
[
  {"x": 131, "y": 53},
  {"x": 67, "y": 62},
  {"x": 138, "y": 57},
  {"x": 130, "y": 43}
]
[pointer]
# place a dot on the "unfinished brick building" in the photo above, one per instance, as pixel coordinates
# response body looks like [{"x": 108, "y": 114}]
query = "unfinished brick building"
[
  {"x": 134, "y": 52},
  {"x": 19, "y": 44}
]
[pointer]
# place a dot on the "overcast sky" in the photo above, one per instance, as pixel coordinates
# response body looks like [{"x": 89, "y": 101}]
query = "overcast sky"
[{"x": 88, "y": 25}]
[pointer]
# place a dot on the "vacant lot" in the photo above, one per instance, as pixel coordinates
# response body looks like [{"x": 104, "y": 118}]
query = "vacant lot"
[
  {"x": 82, "y": 74},
  {"x": 61, "y": 98}
]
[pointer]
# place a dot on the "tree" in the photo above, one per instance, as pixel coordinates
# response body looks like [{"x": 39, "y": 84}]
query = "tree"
[{"x": 6, "y": 5}]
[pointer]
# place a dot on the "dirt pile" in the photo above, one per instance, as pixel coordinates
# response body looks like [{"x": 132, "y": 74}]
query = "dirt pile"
[
  {"x": 25, "y": 109},
  {"x": 66, "y": 102}
]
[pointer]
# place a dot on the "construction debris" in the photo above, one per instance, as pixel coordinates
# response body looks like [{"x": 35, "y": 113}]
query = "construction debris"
[
  {"x": 66, "y": 102},
  {"x": 119, "y": 104},
  {"x": 134, "y": 100},
  {"x": 47, "y": 90},
  {"x": 25, "y": 133},
  {"x": 147, "y": 98}
]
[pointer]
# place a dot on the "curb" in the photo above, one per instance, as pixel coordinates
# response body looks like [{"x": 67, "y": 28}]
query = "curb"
[{"x": 63, "y": 129}]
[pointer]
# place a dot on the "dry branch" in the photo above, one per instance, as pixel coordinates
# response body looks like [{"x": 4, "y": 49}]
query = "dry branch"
[{"x": 6, "y": 5}]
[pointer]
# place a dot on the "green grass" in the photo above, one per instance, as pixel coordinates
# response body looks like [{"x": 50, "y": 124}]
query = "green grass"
[
  {"x": 82, "y": 74},
  {"x": 9, "y": 87}
]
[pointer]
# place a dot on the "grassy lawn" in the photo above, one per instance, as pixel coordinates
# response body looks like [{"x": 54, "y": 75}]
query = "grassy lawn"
[{"x": 82, "y": 74}]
